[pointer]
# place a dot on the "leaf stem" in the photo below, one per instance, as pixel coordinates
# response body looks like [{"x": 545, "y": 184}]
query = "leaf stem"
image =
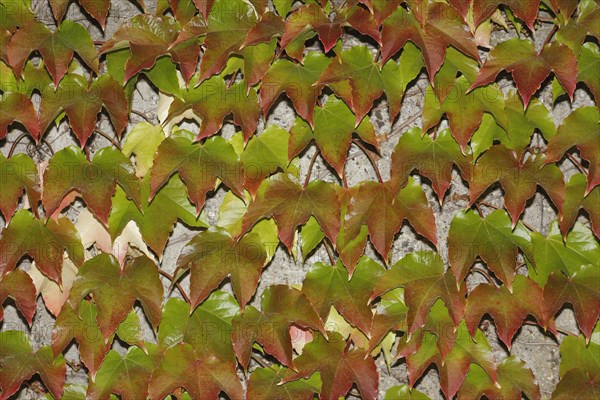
[
  {"x": 107, "y": 137},
  {"x": 141, "y": 114},
  {"x": 371, "y": 159},
  {"x": 578, "y": 164},
  {"x": 310, "y": 167},
  {"x": 172, "y": 280},
  {"x": 487, "y": 276},
  {"x": 15, "y": 143},
  {"x": 329, "y": 252}
]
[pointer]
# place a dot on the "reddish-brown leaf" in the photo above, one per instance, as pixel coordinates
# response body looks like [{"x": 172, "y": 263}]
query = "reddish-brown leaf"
[
  {"x": 19, "y": 286},
  {"x": 18, "y": 174},
  {"x": 16, "y": 107}
]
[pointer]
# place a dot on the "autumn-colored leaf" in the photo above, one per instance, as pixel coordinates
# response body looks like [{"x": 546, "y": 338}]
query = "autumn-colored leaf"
[
  {"x": 18, "y": 285},
  {"x": 16, "y": 107},
  {"x": 339, "y": 367},
  {"x": 264, "y": 384},
  {"x": 433, "y": 158},
  {"x": 514, "y": 378},
  {"x": 126, "y": 375},
  {"x": 69, "y": 171},
  {"x": 492, "y": 238},
  {"x": 298, "y": 81},
  {"x": 390, "y": 315},
  {"x": 18, "y": 363},
  {"x": 149, "y": 37},
  {"x": 422, "y": 276},
  {"x": 525, "y": 10},
  {"x": 291, "y": 205},
  {"x": 82, "y": 327},
  {"x": 581, "y": 290},
  {"x": 57, "y": 48},
  {"x": 579, "y": 366},
  {"x": 369, "y": 80},
  {"x": 443, "y": 27},
  {"x": 98, "y": 9},
  {"x": 464, "y": 110},
  {"x": 331, "y": 285},
  {"x": 213, "y": 256},
  {"x": 115, "y": 289},
  {"x": 82, "y": 102},
  {"x": 575, "y": 31},
  {"x": 579, "y": 129},
  {"x": 311, "y": 18},
  {"x": 519, "y": 179},
  {"x": 203, "y": 376},
  {"x": 528, "y": 67},
  {"x": 213, "y": 100},
  {"x": 281, "y": 307},
  {"x": 507, "y": 309},
  {"x": 334, "y": 124},
  {"x": 575, "y": 200},
  {"x": 454, "y": 367},
  {"x": 383, "y": 211},
  {"x": 18, "y": 175},
  {"x": 44, "y": 242},
  {"x": 198, "y": 164},
  {"x": 577, "y": 383}
]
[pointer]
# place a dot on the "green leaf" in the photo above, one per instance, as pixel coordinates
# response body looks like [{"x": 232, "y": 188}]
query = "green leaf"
[
  {"x": 291, "y": 205},
  {"x": 581, "y": 290},
  {"x": 514, "y": 378},
  {"x": 554, "y": 252},
  {"x": 82, "y": 102},
  {"x": 264, "y": 155},
  {"x": 81, "y": 326},
  {"x": 213, "y": 100},
  {"x": 149, "y": 37},
  {"x": 334, "y": 125},
  {"x": 116, "y": 289},
  {"x": 57, "y": 48},
  {"x": 203, "y": 376},
  {"x": 404, "y": 392},
  {"x": 214, "y": 255},
  {"x": 300, "y": 82},
  {"x": 18, "y": 174},
  {"x": 199, "y": 165},
  {"x": 127, "y": 375},
  {"x": 455, "y": 62},
  {"x": 264, "y": 384},
  {"x": 143, "y": 141},
  {"x": 69, "y": 170},
  {"x": 18, "y": 363},
  {"x": 389, "y": 316},
  {"x": 492, "y": 239},
  {"x": 588, "y": 63},
  {"x": 311, "y": 235},
  {"x": 368, "y": 80},
  {"x": 156, "y": 219},
  {"x": 281, "y": 307},
  {"x": 576, "y": 199},
  {"x": 579, "y": 129},
  {"x": 45, "y": 242},
  {"x": 130, "y": 330},
  {"x": 339, "y": 367},
  {"x": 433, "y": 159},
  {"x": 464, "y": 109},
  {"x": 422, "y": 276},
  {"x": 329, "y": 285}
]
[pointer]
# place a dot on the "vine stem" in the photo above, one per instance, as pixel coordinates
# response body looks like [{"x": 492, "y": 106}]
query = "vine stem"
[
  {"x": 550, "y": 34},
  {"x": 371, "y": 159},
  {"x": 141, "y": 114},
  {"x": 329, "y": 252},
  {"x": 107, "y": 137},
  {"x": 172, "y": 280},
  {"x": 578, "y": 164},
  {"x": 561, "y": 331},
  {"x": 487, "y": 276},
  {"x": 15, "y": 143},
  {"x": 310, "y": 167}
]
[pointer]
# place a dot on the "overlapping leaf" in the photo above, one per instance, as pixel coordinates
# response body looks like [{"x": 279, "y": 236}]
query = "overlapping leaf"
[{"x": 18, "y": 175}]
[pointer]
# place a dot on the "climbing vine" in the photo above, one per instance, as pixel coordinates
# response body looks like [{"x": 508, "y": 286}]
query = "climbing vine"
[{"x": 86, "y": 227}]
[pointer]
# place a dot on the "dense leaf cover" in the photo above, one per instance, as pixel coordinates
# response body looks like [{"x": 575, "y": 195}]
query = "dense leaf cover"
[{"x": 220, "y": 62}]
